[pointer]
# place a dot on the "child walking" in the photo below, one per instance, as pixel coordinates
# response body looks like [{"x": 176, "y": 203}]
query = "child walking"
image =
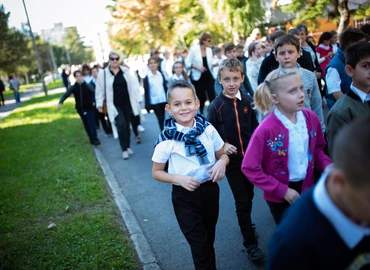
[
  {"x": 155, "y": 87},
  {"x": 196, "y": 161},
  {"x": 287, "y": 145},
  {"x": 179, "y": 73},
  {"x": 232, "y": 115}
]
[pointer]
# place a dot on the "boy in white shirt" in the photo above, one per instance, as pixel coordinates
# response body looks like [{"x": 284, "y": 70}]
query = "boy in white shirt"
[
  {"x": 217, "y": 59},
  {"x": 196, "y": 161}
]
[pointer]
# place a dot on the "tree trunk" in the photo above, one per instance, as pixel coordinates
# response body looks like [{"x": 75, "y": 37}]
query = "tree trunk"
[
  {"x": 26, "y": 77},
  {"x": 344, "y": 15}
]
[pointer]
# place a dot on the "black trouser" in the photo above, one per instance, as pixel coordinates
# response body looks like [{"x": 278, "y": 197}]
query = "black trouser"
[
  {"x": 123, "y": 126},
  {"x": 159, "y": 110},
  {"x": 135, "y": 122},
  {"x": 204, "y": 87},
  {"x": 2, "y": 97},
  {"x": 88, "y": 120},
  {"x": 100, "y": 118},
  {"x": 197, "y": 214},
  {"x": 243, "y": 191},
  {"x": 277, "y": 209}
]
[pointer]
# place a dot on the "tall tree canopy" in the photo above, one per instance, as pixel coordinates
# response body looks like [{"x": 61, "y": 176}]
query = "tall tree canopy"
[{"x": 79, "y": 53}]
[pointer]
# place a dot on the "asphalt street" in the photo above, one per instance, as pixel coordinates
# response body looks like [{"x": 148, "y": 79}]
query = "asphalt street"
[{"x": 151, "y": 203}]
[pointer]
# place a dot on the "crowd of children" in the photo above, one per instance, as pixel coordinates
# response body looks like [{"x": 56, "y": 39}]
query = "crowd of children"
[{"x": 265, "y": 127}]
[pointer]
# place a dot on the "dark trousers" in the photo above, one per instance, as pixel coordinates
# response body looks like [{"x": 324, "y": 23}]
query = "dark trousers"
[
  {"x": 243, "y": 191},
  {"x": 88, "y": 120},
  {"x": 197, "y": 214},
  {"x": 2, "y": 97},
  {"x": 135, "y": 122},
  {"x": 277, "y": 209},
  {"x": 123, "y": 126},
  {"x": 100, "y": 118},
  {"x": 159, "y": 110},
  {"x": 204, "y": 88}
]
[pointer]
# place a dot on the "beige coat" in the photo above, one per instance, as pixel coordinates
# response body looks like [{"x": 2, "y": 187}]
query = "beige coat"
[{"x": 106, "y": 93}]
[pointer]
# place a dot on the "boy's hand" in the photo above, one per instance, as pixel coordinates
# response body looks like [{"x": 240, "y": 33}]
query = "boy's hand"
[
  {"x": 60, "y": 106},
  {"x": 291, "y": 195},
  {"x": 187, "y": 182},
  {"x": 218, "y": 170},
  {"x": 230, "y": 149}
]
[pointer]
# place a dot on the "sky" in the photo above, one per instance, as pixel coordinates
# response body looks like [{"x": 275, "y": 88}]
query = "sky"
[{"x": 88, "y": 15}]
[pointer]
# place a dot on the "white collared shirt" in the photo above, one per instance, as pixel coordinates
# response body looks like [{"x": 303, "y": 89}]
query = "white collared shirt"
[
  {"x": 179, "y": 164},
  {"x": 350, "y": 232},
  {"x": 157, "y": 93},
  {"x": 238, "y": 95},
  {"x": 333, "y": 80},
  {"x": 298, "y": 145},
  {"x": 363, "y": 96}
]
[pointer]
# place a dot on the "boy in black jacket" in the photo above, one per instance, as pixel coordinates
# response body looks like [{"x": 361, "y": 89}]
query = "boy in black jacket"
[
  {"x": 232, "y": 115},
  {"x": 85, "y": 105}
]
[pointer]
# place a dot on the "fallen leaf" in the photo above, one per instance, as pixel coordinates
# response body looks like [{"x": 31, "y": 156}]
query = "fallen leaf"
[
  {"x": 51, "y": 225},
  {"x": 145, "y": 220},
  {"x": 67, "y": 208}
]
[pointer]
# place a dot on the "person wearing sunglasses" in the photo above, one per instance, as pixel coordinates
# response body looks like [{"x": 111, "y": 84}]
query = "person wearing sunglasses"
[
  {"x": 199, "y": 61},
  {"x": 120, "y": 88}
]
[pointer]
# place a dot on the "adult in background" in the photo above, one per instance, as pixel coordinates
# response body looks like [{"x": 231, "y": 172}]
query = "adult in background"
[
  {"x": 14, "y": 85},
  {"x": 85, "y": 105},
  {"x": 199, "y": 61},
  {"x": 2, "y": 89},
  {"x": 65, "y": 79},
  {"x": 254, "y": 36},
  {"x": 119, "y": 88}
]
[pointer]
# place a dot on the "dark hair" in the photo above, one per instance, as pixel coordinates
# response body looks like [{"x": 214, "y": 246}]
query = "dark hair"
[
  {"x": 180, "y": 84},
  {"x": 333, "y": 33},
  {"x": 301, "y": 27},
  {"x": 356, "y": 52},
  {"x": 252, "y": 47},
  {"x": 183, "y": 72},
  {"x": 349, "y": 36},
  {"x": 85, "y": 67},
  {"x": 277, "y": 34},
  {"x": 365, "y": 28},
  {"x": 204, "y": 36},
  {"x": 324, "y": 36},
  {"x": 153, "y": 58},
  {"x": 77, "y": 71},
  {"x": 353, "y": 158},
  {"x": 294, "y": 32},
  {"x": 287, "y": 39},
  {"x": 216, "y": 50},
  {"x": 234, "y": 65},
  {"x": 240, "y": 46},
  {"x": 229, "y": 47}
]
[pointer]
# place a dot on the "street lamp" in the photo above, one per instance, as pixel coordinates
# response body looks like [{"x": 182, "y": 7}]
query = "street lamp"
[{"x": 39, "y": 64}]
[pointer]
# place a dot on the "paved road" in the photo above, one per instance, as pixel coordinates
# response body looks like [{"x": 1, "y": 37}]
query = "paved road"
[{"x": 151, "y": 203}]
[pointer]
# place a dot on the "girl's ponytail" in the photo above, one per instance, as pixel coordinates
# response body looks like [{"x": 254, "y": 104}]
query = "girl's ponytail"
[{"x": 262, "y": 98}]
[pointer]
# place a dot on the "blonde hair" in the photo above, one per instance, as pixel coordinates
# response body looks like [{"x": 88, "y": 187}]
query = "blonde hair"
[{"x": 262, "y": 95}]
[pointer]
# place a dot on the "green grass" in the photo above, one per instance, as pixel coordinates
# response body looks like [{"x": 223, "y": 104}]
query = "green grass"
[
  {"x": 8, "y": 94},
  {"x": 49, "y": 174}
]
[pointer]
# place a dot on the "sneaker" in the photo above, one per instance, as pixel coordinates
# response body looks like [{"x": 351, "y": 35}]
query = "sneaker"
[
  {"x": 255, "y": 253},
  {"x": 140, "y": 128},
  {"x": 138, "y": 139},
  {"x": 125, "y": 155},
  {"x": 129, "y": 151}
]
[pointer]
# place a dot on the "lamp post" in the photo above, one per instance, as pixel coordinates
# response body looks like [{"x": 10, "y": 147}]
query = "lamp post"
[{"x": 39, "y": 64}]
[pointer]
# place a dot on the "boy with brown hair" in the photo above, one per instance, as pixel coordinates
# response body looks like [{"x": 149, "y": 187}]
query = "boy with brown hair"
[
  {"x": 329, "y": 226},
  {"x": 356, "y": 101}
]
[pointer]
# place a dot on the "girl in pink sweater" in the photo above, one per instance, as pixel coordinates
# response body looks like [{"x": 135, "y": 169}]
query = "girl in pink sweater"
[{"x": 287, "y": 145}]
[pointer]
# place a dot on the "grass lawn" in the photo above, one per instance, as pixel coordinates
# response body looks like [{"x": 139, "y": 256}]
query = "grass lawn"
[
  {"x": 8, "y": 94},
  {"x": 49, "y": 174}
]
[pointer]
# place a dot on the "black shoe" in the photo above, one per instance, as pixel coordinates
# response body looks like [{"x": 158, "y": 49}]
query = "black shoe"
[
  {"x": 255, "y": 231},
  {"x": 96, "y": 142},
  {"x": 255, "y": 253},
  {"x": 138, "y": 139}
]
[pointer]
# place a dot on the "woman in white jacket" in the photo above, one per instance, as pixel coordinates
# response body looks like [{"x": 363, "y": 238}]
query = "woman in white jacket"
[
  {"x": 120, "y": 89},
  {"x": 199, "y": 61}
]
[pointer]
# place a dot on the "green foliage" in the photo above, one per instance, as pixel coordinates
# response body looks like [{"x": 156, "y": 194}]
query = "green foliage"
[
  {"x": 55, "y": 179},
  {"x": 78, "y": 51}
]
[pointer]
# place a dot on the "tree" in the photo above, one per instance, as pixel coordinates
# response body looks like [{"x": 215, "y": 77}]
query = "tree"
[
  {"x": 311, "y": 10},
  {"x": 79, "y": 53}
]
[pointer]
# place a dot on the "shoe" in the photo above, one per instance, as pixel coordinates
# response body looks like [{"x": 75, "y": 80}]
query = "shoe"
[
  {"x": 129, "y": 151},
  {"x": 125, "y": 155},
  {"x": 108, "y": 135},
  {"x": 255, "y": 231},
  {"x": 138, "y": 139},
  {"x": 96, "y": 142},
  {"x": 255, "y": 253},
  {"x": 140, "y": 128}
]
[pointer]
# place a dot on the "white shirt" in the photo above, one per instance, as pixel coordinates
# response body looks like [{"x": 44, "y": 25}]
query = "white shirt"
[
  {"x": 333, "y": 80},
  {"x": 238, "y": 95},
  {"x": 253, "y": 68},
  {"x": 157, "y": 93},
  {"x": 179, "y": 163},
  {"x": 351, "y": 233},
  {"x": 216, "y": 68},
  {"x": 298, "y": 145},
  {"x": 363, "y": 96}
]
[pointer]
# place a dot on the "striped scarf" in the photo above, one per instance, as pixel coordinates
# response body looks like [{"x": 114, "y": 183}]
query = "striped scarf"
[{"x": 192, "y": 144}]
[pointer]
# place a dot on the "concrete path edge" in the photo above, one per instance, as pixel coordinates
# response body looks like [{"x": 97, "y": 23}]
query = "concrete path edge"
[{"x": 137, "y": 236}]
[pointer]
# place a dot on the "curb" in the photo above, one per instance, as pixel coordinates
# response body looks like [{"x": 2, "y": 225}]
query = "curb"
[{"x": 137, "y": 236}]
